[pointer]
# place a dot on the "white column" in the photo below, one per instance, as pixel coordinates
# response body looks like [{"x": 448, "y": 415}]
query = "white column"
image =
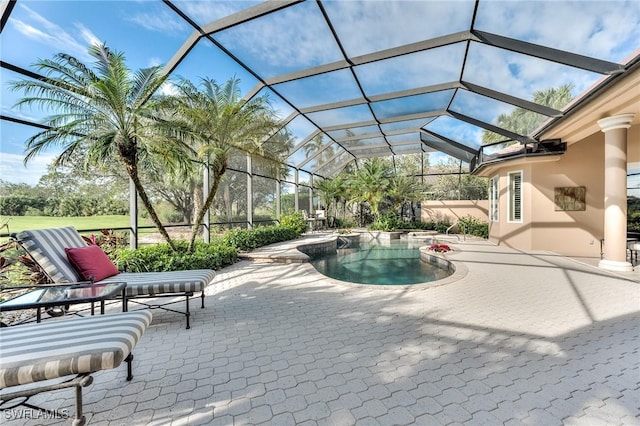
[{"x": 615, "y": 192}]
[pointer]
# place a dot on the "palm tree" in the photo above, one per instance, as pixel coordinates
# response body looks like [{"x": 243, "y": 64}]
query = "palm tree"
[
  {"x": 318, "y": 144},
  {"x": 523, "y": 121},
  {"x": 331, "y": 191},
  {"x": 217, "y": 119},
  {"x": 102, "y": 111},
  {"x": 314, "y": 145},
  {"x": 370, "y": 182},
  {"x": 403, "y": 189}
]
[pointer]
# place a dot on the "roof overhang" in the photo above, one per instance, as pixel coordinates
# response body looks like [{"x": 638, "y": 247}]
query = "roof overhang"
[{"x": 615, "y": 96}]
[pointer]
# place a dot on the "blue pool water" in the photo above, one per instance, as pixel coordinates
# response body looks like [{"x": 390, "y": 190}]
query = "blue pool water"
[{"x": 394, "y": 263}]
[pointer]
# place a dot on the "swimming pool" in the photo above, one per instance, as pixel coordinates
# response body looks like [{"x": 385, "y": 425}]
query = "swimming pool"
[{"x": 391, "y": 263}]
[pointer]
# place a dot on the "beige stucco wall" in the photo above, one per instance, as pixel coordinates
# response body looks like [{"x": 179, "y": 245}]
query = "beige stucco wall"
[
  {"x": 571, "y": 233},
  {"x": 507, "y": 233},
  {"x": 452, "y": 210}
]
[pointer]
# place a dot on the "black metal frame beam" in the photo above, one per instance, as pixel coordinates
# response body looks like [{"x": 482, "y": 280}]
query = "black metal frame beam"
[
  {"x": 384, "y": 97},
  {"x": 550, "y": 54},
  {"x": 6, "y": 6},
  {"x": 451, "y": 142},
  {"x": 519, "y": 102},
  {"x": 490, "y": 127}
]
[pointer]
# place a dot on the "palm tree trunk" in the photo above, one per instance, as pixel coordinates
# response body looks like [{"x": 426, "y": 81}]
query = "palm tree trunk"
[
  {"x": 133, "y": 174},
  {"x": 207, "y": 204},
  {"x": 197, "y": 202},
  {"x": 217, "y": 177},
  {"x": 228, "y": 204}
]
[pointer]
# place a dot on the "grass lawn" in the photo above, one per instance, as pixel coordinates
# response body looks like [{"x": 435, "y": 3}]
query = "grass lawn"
[{"x": 21, "y": 223}]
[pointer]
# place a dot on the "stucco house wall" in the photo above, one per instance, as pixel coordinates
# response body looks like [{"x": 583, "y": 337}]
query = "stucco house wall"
[
  {"x": 452, "y": 210},
  {"x": 574, "y": 233},
  {"x": 512, "y": 234},
  {"x": 571, "y": 233}
]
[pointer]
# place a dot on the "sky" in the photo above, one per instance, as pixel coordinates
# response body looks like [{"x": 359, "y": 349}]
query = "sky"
[{"x": 149, "y": 33}]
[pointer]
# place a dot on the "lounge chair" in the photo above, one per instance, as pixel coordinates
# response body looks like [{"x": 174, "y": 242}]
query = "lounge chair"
[
  {"x": 47, "y": 248},
  {"x": 36, "y": 358}
]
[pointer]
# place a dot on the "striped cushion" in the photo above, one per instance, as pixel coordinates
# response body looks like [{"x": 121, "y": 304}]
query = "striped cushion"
[
  {"x": 47, "y": 246},
  {"x": 149, "y": 283},
  {"x": 36, "y": 352}
]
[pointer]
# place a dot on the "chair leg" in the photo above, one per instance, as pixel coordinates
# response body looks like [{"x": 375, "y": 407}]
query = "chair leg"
[
  {"x": 188, "y": 314},
  {"x": 80, "y": 419},
  {"x": 129, "y": 360},
  {"x": 202, "y": 297}
]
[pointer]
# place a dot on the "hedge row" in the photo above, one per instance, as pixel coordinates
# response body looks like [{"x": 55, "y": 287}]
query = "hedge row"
[{"x": 215, "y": 255}]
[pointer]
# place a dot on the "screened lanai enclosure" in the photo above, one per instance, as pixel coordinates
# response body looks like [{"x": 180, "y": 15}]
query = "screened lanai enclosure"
[{"x": 434, "y": 89}]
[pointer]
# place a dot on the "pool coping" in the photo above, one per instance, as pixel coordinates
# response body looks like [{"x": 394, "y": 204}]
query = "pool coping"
[{"x": 289, "y": 252}]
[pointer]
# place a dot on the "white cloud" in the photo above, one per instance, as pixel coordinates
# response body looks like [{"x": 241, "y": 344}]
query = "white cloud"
[
  {"x": 169, "y": 89},
  {"x": 154, "y": 62},
  {"x": 320, "y": 89},
  {"x": 51, "y": 34},
  {"x": 204, "y": 12},
  {"x": 338, "y": 116},
  {"x": 87, "y": 35},
  {"x": 454, "y": 129},
  {"x": 12, "y": 168},
  {"x": 18, "y": 113},
  {"x": 160, "y": 20},
  {"x": 520, "y": 75},
  {"x": 607, "y": 30},
  {"x": 29, "y": 31},
  {"x": 292, "y": 39},
  {"x": 370, "y": 26},
  {"x": 415, "y": 70}
]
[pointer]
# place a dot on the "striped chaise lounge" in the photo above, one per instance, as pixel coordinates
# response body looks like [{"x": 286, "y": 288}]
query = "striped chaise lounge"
[
  {"x": 47, "y": 248},
  {"x": 59, "y": 354}
]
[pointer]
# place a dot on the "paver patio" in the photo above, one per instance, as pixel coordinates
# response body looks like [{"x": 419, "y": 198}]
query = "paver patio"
[{"x": 521, "y": 338}]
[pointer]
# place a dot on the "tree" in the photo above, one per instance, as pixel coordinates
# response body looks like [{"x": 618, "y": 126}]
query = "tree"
[
  {"x": 216, "y": 119},
  {"x": 369, "y": 183},
  {"x": 103, "y": 111},
  {"x": 403, "y": 189},
  {"x": 451, "y": 184},
  {"x": 522, "y": 121},
  {"x": 332, "y": 192},
  {"x": 318, "y": 144}
]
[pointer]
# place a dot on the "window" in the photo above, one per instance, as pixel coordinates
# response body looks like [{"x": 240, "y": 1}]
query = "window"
[
  {"x": 515, "y": 196},
  {"x": 493, "y": 199}
]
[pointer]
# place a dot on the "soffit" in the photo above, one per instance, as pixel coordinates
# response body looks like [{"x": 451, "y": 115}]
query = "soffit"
[{"x": 621, "y": 97}]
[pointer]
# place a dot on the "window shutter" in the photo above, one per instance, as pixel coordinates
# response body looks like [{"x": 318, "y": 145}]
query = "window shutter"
[
  {"x": 493, "y": 199},
  {"x": 515, "y": 193}
]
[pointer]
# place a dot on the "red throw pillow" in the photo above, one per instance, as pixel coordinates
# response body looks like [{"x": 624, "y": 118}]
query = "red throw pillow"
[{"x": 91, "y": 261}]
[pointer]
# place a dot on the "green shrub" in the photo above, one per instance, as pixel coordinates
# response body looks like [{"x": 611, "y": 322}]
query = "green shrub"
[
  {"x": 473, "y": 226},
  {"x": 442, "y": 226},
  {"x": 216, "y": 255},
  {"x": 295, "y": 221},
  {"x": 249, "y": 239},
  {"x": 345, "y": 223},
  {"x": 438, "y": 226},
  {"x": 161, "y": 257},
  {"x": 387, "y": 223}
]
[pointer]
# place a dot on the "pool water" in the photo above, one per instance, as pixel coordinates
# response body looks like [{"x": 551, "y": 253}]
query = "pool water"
[{"x": 392, "y": 263}]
